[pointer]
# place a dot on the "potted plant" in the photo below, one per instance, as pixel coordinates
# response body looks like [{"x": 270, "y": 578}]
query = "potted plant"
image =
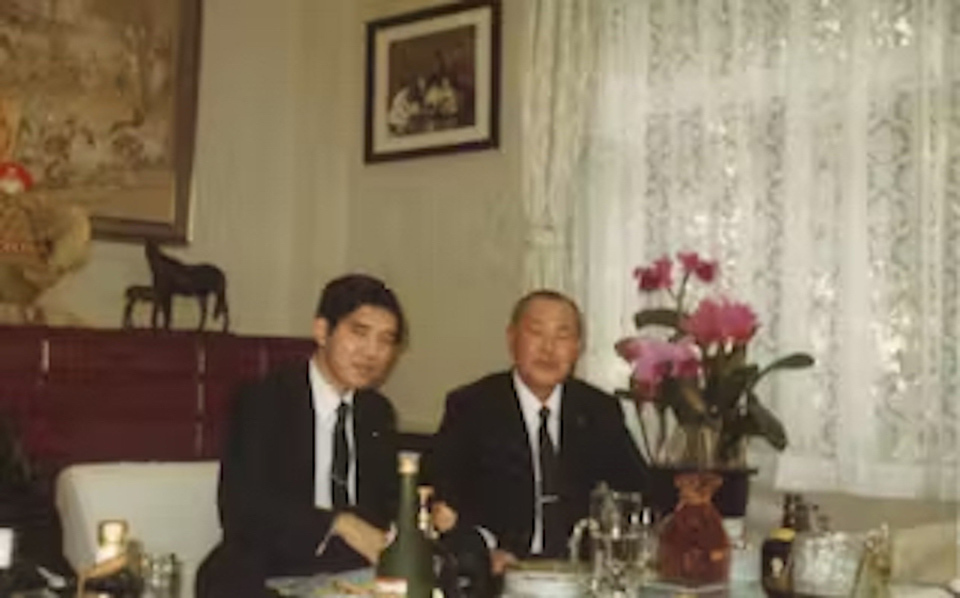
[{"x": 692, "y": 380}]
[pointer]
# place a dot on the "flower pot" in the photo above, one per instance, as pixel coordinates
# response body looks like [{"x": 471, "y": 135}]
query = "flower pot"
[{"x": 730, "y": 499}]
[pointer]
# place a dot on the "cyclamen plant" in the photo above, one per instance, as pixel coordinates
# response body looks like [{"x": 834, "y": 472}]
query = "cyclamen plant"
[{"x": 699, "y": 370}]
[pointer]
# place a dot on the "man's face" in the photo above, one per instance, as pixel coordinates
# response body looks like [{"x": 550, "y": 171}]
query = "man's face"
[
  {"x": 545, "y": 344},
  {"x": 357, "y": 353}
]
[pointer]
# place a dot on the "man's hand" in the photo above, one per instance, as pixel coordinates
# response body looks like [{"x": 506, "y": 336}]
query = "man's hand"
[
  {"x": 360, "y": 535},
  {"x": 444, "y": 517},
  {"x": 499, "y": 560}
]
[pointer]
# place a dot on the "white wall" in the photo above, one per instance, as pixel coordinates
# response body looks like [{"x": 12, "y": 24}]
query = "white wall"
[
  {"x": 446, "y": 232},
  {"x": 283, "y": 201}
]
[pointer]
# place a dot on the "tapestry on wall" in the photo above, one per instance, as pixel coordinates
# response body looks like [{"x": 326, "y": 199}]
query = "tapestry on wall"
[{"x": 97, "y": 101}]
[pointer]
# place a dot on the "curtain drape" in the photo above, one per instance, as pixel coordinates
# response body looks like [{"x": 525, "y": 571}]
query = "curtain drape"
[{"x": 813, "y": 148}]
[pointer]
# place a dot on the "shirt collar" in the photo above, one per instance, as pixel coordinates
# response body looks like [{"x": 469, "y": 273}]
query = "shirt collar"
[
  {"x": 531, "y": 404},
  {"x": 326, "y": 399}
]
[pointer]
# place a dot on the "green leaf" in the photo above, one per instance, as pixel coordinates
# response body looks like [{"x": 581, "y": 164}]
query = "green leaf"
[
  {"x": 794, "y": 361},
  {"x": 731, "y": 433},
  {"x": 669, "y": 318},
  {"x": 764, "y": 423},
  {"x": 679, "y": 397},
  {"x": 724, "y": 392}
]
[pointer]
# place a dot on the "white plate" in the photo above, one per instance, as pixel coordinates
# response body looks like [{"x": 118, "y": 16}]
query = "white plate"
[{"x": 543, "y": 584}]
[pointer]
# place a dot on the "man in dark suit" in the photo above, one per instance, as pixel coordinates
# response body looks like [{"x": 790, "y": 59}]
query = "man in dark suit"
[
  {"x": 518, "y": 452},
  {"x": 308, "y": 478}
]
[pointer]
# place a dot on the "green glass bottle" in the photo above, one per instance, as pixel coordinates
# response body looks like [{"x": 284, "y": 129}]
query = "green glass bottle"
[{"x": 405, "y": 568}]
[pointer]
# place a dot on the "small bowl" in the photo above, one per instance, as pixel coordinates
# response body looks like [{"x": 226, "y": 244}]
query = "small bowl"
[{"x": 544, "y": 579}]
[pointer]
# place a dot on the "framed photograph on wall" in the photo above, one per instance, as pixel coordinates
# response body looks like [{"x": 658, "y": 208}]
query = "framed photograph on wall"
[{"x": 433, "y": 82}]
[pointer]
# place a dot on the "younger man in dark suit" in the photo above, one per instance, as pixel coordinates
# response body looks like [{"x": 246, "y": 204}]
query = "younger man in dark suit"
[
  {"x": 518, "y": 452},
  {"x": 308, "y": 476}
]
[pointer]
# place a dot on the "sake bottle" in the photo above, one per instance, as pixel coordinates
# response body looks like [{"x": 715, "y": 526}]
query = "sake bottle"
[
  {"x": 405, "y": 568},
  {"x": 116, "y": 573}
]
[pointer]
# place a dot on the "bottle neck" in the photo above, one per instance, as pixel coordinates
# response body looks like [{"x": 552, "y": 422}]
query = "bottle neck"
[{"x": 409, "y": 503}]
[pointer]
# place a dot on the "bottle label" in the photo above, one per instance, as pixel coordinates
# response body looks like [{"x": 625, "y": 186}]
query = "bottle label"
[{"x": 390, "y": 587}]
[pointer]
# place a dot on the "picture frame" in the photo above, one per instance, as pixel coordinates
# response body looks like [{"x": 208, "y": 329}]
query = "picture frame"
[
  {"x": 433, "y": 82},
  {"x": 111, "y": 123}
]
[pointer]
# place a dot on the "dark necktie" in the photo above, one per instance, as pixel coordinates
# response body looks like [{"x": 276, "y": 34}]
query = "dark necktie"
[
  {"x": 340, "y": 467},
  {"x": 554, "y": 539}
]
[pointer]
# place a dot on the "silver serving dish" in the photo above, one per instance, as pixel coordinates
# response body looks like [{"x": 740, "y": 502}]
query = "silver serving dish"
[{"x": 545, "y": 579}]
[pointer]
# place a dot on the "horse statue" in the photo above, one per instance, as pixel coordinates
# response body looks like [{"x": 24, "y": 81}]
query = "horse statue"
[
  {"x": 173, "y": 277},
  {"x": 137, "y": 293}
]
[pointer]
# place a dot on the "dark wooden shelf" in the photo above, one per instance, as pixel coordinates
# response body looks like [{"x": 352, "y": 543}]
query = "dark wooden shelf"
[{"x": 85, "y": 395}]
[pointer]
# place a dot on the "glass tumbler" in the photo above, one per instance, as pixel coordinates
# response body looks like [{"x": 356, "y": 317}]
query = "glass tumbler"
[
  {"x": 826, "y": 563},
  {"x": 161, "y": 576}
]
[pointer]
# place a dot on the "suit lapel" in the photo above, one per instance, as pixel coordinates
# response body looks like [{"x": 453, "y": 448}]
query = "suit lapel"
[
  {"x": 362, "y": 431},
  {"x": 510, "y": 416},
  {"x": 510, "y": 440},
  {"x": 573, "y": 423},
  {"x": 302, "y": 423},
  {"x": 569, "y": 417}
]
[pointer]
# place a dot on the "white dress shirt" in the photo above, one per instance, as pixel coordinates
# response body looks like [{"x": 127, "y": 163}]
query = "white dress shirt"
[
  {"x": 325, "y": 402},
  {"x": 530, "y": 405}
]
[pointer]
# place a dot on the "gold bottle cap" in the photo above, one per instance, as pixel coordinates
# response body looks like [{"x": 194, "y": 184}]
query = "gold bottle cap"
[
  {"x": 784, "y": 534},
  {"x": 408, "y": 463}
]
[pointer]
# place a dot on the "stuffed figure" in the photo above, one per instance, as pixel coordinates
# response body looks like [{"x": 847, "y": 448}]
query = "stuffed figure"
[{"x": 40, "y": 242}]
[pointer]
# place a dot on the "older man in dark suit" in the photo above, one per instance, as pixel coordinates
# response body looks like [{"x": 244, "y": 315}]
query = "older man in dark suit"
[
  {"x": 308, "y": 479},
  {"x": 518, "y": 452}
]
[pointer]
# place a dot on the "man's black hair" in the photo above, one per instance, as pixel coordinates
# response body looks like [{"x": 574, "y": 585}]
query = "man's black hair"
[
  {"x": 342, "y": 296},
  {"x": 520, "y": 308}
]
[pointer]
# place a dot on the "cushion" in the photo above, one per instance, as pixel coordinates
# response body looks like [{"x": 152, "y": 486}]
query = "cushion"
[{"x": 170, "y": 507}]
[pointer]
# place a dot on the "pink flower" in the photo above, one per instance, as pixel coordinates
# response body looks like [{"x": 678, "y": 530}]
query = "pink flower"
[
  {"x": 690, "y": 260},
  {"x": 704, "y": 323},
  {"x": 629, "y": 348},
  {"x": 685, "y": 359},
  {"x": 721, "y": 321},
  {"x": 706, "y": 271},
  {"x": 647, "y": 278},
  {"x": 648, "y": 373},
  {"x": 739, "y": 323},
  {"x": 653, "y": 359},
  {"x": 664, "y": 269},
  {"x": 657, "y": 276}
]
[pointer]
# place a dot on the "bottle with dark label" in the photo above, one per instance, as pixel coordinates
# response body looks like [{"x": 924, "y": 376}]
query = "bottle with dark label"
[
  {"x": 776, "y": 562},
  {"x": 405, "y": 568}
]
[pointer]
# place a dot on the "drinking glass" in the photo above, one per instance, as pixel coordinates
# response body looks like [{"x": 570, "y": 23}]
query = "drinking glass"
[
  {"x": 618, "y": 537},
  {"x": 826, "y": 563},
  {"x": 161, "y": 576}
]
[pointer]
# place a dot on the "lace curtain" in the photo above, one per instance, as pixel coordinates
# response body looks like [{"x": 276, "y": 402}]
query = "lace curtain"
[{"x": 813, "y": 147}]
